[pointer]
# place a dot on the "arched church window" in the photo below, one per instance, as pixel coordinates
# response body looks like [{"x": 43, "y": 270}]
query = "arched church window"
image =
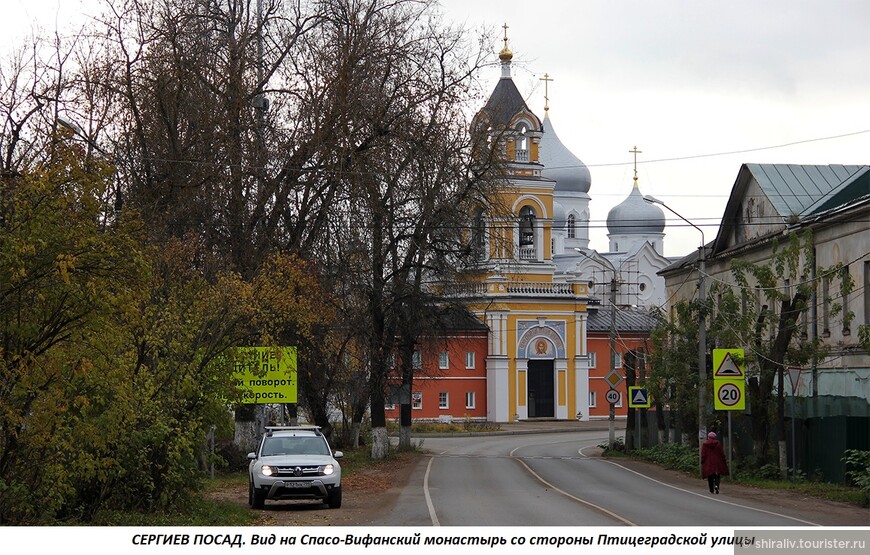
[
  {"x": 572, "y": 226},
  {"x": 522, "y": 143},
  {"x": 527, "y": 226}
]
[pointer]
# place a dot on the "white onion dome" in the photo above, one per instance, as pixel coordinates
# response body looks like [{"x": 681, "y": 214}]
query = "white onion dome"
[
  {"x": 634, "y": 216},
  {"x": 560, "y": 164},
  {"x": 559, "y": 216}
]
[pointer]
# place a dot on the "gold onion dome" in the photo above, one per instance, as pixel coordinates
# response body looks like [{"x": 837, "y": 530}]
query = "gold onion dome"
[{"x": 505, "y": 55}]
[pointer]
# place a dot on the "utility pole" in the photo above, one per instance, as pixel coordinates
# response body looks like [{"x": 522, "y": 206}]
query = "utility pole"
[
  {"x": 702, "y": 327},
  {"x": 614, "y": 286},
  {"x": 702, "y": 347}
]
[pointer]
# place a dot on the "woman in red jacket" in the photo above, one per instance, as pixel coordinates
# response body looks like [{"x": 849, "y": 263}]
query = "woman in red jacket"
[{"x": 713, "y": 463}]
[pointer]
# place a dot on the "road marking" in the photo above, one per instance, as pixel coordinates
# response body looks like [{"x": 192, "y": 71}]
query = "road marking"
[
  {"x": 428, "y": 497},
  {"x": 575, "y": 498},
  {"x": 535, "y": 457},
  {"x": 584, "y": 455},
  {"x": 716, "y": 499},
  {"x": 434, "y": 517},
  {"x": 515, "y": 449}
]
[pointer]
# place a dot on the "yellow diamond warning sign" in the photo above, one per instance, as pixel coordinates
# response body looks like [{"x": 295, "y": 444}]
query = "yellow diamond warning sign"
[{"x": 613, "y": 378}]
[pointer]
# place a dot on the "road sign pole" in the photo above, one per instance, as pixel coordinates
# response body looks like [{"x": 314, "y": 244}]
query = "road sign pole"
[
  {"x": 613, "y": 287},
  {"x": 611, "y": 439},
  {"x": 637, "y": 428},
  {"x": 793, "y": 450},
  {"x": 794, "y": 376},
  {"x": 730, "y": 468}
]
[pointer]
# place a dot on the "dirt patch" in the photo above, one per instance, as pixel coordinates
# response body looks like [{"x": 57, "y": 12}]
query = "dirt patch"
[{"x": 366, "y": 494}]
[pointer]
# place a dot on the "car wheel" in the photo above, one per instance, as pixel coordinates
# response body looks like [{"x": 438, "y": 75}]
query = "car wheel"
[
  {"x": 334, "y": 499},
  {"x": 258, "y": 498}
]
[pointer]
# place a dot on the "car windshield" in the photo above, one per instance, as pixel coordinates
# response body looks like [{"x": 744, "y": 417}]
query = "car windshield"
[{"x": 294, "y": 445}]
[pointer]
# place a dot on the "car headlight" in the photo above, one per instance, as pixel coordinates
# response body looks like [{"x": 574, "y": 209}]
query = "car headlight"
[
  {"x": 328, "y": 469},
  {"x": 267, "y": 470}
]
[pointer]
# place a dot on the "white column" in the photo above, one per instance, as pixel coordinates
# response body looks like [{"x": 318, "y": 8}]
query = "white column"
[
  {"x": 560, "y": 365},
  {"x": 581, "y": 367},
  {"x": 497, "y": 409},
  {"x": 522, "y": 392}
]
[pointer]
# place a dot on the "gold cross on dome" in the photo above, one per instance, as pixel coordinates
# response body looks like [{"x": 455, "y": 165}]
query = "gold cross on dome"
[
  {"x": 635, "y": 151},
  {"x": 546, "y": 79}
]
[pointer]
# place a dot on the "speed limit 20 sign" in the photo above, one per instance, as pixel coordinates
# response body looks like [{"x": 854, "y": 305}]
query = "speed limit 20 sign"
[{"x": 729, "y": 394}]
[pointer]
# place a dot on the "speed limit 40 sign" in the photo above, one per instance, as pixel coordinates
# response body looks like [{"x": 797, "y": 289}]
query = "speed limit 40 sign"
[{"x": 729, "y": 394}]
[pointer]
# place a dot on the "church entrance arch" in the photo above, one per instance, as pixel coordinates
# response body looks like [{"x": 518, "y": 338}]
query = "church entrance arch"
[
  {"x": 540, "y": 344},
  {"x": 542, "y": 398}
]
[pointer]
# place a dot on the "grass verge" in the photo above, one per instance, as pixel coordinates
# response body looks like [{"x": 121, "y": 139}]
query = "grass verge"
[
  {"x": 684, "y": 458},
  {"x": 821, "y": 490}
]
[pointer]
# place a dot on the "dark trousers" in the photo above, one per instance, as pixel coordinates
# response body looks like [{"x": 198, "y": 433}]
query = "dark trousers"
[{"x": 713, "y": 481}]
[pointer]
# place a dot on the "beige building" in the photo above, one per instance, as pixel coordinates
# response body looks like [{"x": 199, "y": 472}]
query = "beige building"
[{"x": 768, "y": 203}]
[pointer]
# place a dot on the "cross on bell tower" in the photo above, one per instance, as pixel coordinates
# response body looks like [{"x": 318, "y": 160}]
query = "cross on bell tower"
[
  {"x": 505, "y": 56},
  {"x": 546, "y": 79}
]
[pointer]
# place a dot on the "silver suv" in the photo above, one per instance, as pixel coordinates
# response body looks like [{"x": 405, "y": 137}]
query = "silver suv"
[{"x": 294, "y": 462}]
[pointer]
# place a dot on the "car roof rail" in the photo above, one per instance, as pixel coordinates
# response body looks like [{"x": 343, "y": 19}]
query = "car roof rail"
[{"x": 270, "y": 429}]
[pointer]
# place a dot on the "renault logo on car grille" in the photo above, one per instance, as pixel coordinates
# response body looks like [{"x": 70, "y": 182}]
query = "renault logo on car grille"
[{"x": 297, "y": 471}]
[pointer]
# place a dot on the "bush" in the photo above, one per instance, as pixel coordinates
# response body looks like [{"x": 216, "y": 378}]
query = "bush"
[
  {"x": 858, "y": 468},
  {"x": 671, "y": 455},
  {"x": 618, "y": 447},
  {"x": 230, "y": 457}
]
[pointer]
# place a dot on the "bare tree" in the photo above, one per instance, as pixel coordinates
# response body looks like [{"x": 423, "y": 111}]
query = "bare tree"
[
  {"x": 406, "y": 172},
  {"x": 334, "y": 129}
]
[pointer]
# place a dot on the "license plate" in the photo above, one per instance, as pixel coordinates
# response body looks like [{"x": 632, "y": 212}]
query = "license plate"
[{"x": 297, "y": 484}]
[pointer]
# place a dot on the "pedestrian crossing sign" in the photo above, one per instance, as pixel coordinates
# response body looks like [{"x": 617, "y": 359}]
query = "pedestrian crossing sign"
[{"x": 638, "y": 397}]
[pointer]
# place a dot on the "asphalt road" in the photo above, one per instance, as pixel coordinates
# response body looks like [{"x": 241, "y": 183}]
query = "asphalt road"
[{"x": 550, "y": 480}]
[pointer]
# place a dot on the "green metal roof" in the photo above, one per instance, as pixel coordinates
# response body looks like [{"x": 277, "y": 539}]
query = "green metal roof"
[{"x": 799, "y": 190}]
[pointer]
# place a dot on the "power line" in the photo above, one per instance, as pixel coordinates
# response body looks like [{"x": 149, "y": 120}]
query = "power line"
[
  {"x": 742, "y": 151},
  {"x": 599, "y": 165},
  {"x": 815, "y": 280}
]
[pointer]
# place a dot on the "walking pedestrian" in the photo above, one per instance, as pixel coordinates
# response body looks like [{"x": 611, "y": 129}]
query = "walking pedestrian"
[{"x": 713, "y": 463}]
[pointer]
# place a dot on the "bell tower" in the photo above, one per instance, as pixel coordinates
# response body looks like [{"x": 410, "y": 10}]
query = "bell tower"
[{"x": 521, "y": 238}]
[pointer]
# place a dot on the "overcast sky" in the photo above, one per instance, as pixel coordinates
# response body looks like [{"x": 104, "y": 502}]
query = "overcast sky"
[
  {"x": 682, "y": 78},
  {"x": 677, "y": 78}
]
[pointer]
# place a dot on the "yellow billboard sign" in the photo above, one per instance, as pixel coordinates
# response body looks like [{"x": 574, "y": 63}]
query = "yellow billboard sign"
[{"x": 266, "y": 375}]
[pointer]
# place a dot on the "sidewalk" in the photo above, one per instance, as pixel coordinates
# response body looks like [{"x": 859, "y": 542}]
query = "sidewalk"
[{"x": 536, "y": 426}]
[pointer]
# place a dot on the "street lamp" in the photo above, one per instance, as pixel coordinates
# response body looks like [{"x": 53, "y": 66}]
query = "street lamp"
[
  {"x": 702, "y": 331},
  {"x": 614, "y": 285}
]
